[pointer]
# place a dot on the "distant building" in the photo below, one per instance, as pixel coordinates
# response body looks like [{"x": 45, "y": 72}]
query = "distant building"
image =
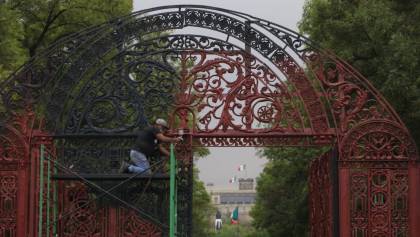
[
  {"x": 236, "y": 198},
  {"x": 246, "y": 184},
  {"x": 227, "y": 200}
]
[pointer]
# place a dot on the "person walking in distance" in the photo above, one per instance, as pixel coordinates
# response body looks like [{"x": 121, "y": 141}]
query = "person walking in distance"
[
  {"x": 218, "y": 221},
  {"x": 147, "y": 144}
]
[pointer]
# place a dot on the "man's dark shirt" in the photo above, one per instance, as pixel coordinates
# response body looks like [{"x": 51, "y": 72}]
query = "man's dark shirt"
[
  {"x": 146, "y": 142},
  {"x": 218, "y": 215}
]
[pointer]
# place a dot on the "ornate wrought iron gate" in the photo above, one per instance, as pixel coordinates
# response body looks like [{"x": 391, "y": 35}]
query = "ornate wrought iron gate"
[
  {"x": 323, "y": 200},
  {"x": 226, "y": 79}
]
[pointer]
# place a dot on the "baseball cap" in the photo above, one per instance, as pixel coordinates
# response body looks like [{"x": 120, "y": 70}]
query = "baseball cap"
[{"x": 162, "y": 122}]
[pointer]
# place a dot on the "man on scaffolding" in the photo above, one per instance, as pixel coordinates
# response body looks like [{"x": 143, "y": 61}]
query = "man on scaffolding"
[{"x": 148, "y": 143}]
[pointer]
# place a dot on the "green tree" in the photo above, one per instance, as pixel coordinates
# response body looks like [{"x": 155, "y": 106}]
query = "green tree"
[
  {"x": 281, "y": 207},
  {"x": 28, "y": 26},
  {"x": 11, "y": 34},
  {"x": 381, "y": 39},
  {"x": 203, "y": 210}
]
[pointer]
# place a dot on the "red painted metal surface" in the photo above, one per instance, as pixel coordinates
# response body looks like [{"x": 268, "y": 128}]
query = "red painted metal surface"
[
  {"x": 14, "y": 173},
  {"x": 377, "y": 155},
  {"x": 379, "y": 202},
  {"x": 321, "y": 192},
  {"x": 344, "y": 202},
  {"x": 413, "y": 199},
  {"x": 95, "y": 220},
  {"x": 232, "y": 94}
]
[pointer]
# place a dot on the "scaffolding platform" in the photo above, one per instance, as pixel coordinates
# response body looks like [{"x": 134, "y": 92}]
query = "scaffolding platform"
[{"x": 157, "y": 176}]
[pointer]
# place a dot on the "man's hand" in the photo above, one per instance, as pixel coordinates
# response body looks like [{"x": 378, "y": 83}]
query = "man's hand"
[
  {"x": 164, "y": 138},
  {"x": 177, "y": 139}
]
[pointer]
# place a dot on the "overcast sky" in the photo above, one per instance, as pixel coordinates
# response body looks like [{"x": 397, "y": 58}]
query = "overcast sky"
[
  {"x": 283, "y": 12},
  {"x": 222, "y": 163}
]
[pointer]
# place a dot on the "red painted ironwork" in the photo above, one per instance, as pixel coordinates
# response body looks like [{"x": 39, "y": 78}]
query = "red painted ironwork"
[
  {"x": 344, "y": 202},
  {"x": 413, "y": 197},
  {"x": 379, "y": 202},
  {"x": 228, "y": 95},
  {"x": 90, "y": 220},
  {"x": 134, "y": 226},
  {"x": 15, "y": 175},
  {"x": 321, "y": 193},
  {"x": 8, "y": 202},
  {"x": 378, "y": 141},
  {"x": 95, "y": 219}
]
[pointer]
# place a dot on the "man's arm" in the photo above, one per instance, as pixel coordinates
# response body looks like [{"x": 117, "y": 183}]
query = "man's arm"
[
  {"x": 163, "y": 150},
  {"x": 164, "y": 138}
]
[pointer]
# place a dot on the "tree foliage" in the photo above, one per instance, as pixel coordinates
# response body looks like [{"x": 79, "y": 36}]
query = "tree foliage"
[
  {"x": 381, "y": 39},
  {"x": 11, "y": 35},
  {"x": 202, "y": 208},
  {"x": 281, "y": 206},
  {"x": 28, "y": 26}
]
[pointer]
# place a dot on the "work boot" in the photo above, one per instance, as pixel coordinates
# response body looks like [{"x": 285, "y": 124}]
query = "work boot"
[{"x": 124, "y": 167}]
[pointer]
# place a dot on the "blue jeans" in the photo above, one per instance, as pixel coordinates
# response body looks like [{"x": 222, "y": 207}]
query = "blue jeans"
[{"x": 139, "y": 162}]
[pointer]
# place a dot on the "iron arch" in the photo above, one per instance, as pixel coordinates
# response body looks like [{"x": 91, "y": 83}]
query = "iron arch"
[
  {"x": 244, "y": 82},
  {"x": 281, "y": 46}
]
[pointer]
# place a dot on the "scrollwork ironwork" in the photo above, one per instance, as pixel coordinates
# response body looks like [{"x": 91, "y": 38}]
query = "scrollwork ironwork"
[
  {"x": 134, "y": 226},
  {"x": 378, "y": 141},
  {"x": 93, "y": 155},
  {"x": 263, "y": 141},
  {"x": 375, "y": 209},
  {"x": 321, "y": 196},
  {"x": 233, "y": 91},
  {"x": 86, "y": 221}
]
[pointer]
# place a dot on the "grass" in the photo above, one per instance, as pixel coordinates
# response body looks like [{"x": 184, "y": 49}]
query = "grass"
[{"x": 229, "y": 230}]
